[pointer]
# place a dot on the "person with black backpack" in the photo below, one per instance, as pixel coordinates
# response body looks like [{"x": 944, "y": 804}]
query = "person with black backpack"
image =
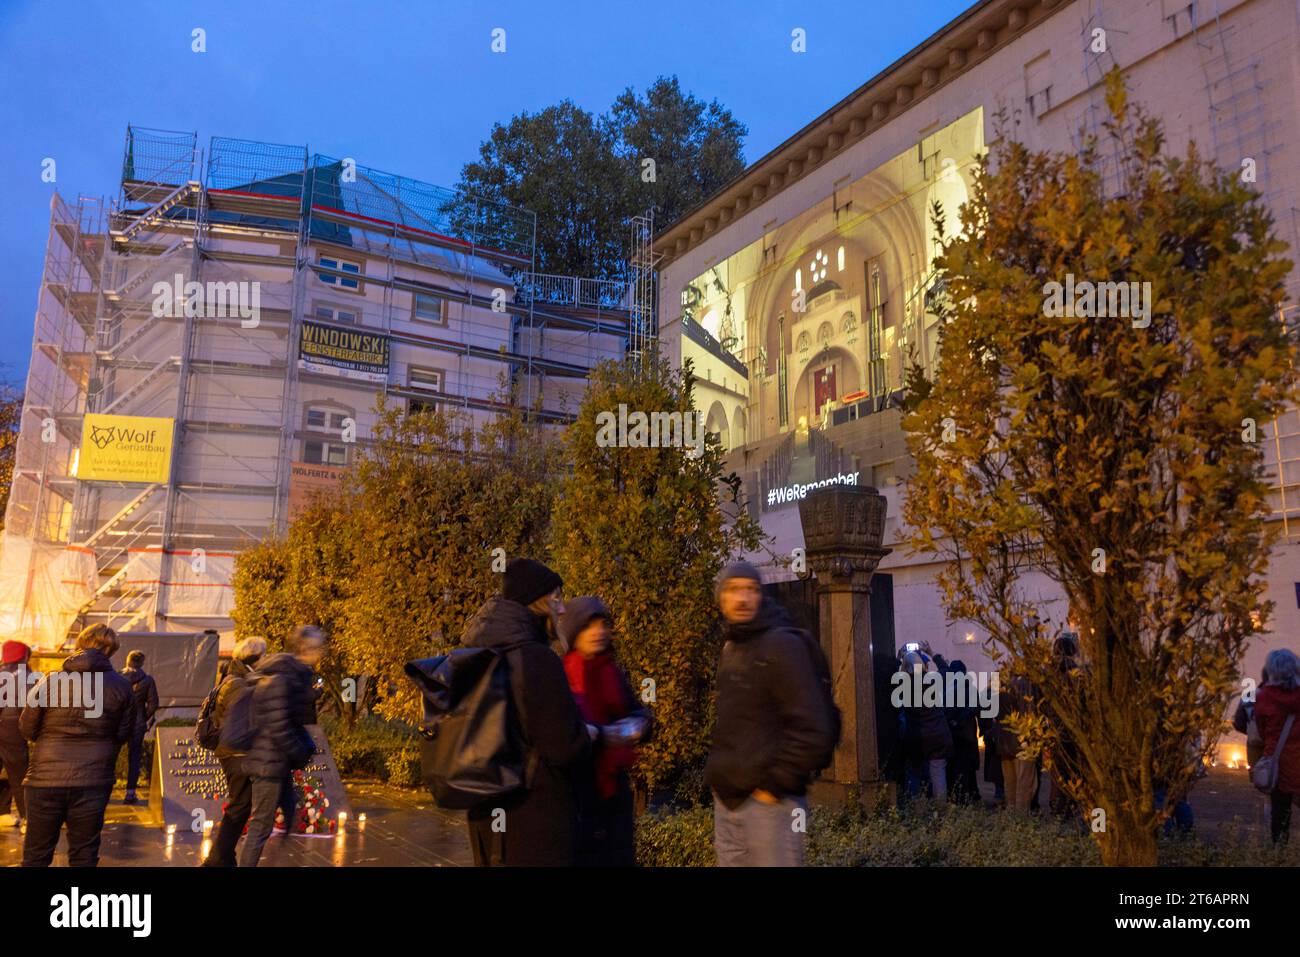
[
  {"x": 776, "y": 727},
  {"x": 281, "y": 704},
  {"x": 534, "y": 824},
  {"x": 213, "y": 714},
  {"x": 144, "y": 692}
]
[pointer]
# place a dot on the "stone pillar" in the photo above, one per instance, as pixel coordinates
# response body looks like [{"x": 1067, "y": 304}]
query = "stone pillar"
[{"x": 843, "y": 527}]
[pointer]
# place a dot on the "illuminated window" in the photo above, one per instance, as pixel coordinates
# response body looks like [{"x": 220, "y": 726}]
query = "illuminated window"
[
  {"x": 839, "y": 259},
  {"x": 817, "y": 268}
]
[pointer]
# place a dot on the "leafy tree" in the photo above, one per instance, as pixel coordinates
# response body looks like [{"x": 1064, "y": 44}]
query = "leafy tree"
[
  {"x": 646, "y": 530},
  {"x": 696, "y": 148},
  {"x": 561, "y": 165},
  {"x": 1116, "y": 458},
  {"x": 11, "y": 414},
  {"x": 431, "y": 502},
  {"x": 584, "y": 175},
  {"x": 304, "y": 578}
]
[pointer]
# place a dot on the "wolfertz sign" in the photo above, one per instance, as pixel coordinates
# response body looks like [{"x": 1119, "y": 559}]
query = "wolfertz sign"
[
  {"x": 344, "y": 352},
  {"x": 188, "y": 786}
]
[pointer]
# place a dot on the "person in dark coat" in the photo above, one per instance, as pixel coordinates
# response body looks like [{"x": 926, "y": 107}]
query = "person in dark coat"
[
  {"x": 536, "y": 825},
  {"x": 75, "y": 744},
  {"x": 239, "y": 786},
  {"x": 145, "y": 692},
  {"x": 926, "y": 738},
  {"x": 606, "y": 819},
  {"x": 772, "y": 730},
  {"x": 1278, "y": 699},
  {"x": 961, "y": 709},
  {"x": 283, "y": 704},
  {"x": 13, "y": 746}
]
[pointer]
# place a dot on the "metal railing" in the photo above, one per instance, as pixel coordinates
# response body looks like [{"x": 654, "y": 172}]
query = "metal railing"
[{"x": 573, "y": 291}]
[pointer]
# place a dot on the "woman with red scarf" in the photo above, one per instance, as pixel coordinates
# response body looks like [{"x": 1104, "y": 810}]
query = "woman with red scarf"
[{"x": 605, "y": 815}]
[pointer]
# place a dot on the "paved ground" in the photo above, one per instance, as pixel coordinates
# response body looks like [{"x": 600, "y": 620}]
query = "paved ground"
[{"x": 404, "y": 829}]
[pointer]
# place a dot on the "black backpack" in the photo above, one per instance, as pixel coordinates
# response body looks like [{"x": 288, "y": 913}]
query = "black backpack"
[
  {"x": 822, "y": 670},
  {"x": 238, "y": 729},
  {"x": 207, "y": 732},
  {"x": 473, "y": 750}
]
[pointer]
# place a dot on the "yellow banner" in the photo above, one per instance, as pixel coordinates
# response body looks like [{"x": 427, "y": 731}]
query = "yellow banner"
[{"x": 125, "y": 448}]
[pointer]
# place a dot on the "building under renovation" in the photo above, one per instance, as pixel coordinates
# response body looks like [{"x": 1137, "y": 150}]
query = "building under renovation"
[
  {"x": 802, "y": 290},
  {"x": 211, "y": 347}
]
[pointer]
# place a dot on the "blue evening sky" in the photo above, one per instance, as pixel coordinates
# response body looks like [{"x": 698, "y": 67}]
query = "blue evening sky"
[{"x": 410, "y": 88}]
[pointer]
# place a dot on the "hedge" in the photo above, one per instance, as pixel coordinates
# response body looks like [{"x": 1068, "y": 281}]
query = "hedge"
[{"x": 956, "y": 836}]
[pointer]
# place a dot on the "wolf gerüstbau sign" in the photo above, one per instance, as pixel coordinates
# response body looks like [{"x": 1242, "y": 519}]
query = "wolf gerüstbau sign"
[{"x": 125, "y": 448}]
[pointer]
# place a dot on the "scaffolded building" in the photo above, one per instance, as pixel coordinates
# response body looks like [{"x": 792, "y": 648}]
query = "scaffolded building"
[{"x": 209, "y": 347}]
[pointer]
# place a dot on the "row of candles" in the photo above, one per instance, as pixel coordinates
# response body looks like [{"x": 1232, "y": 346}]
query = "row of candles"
[{"x": 208, "y": 824}]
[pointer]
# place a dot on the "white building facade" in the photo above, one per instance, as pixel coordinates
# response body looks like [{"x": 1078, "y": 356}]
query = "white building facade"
[{"x": 799, "y": 291}]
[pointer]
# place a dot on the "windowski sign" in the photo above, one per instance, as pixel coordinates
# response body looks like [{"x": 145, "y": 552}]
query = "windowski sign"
[
  {"x": 350, "y": 353},
  {"x": 125, "y": 448}
]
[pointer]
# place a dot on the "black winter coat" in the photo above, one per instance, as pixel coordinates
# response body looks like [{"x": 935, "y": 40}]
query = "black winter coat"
[
  {"x": 10, "y": 733},
  {"x": 237, "y": 672},
  {"x": 145, "y": 691},
  {"x": 772, "y": 727},
  {"x": 540, "y": 820},
  {"x": 283, "y": 705},
  {"x": 72, "y": 749}
]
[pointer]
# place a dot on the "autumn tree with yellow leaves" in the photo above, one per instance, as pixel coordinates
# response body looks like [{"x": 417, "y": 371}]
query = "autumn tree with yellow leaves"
[{"x": 1118, "y": 455}]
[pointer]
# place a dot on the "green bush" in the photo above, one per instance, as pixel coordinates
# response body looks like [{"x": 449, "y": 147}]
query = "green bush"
[
  {"x": 681, "y": 839},
  {"x": 955, "y": 836},
  {"x": 373, "y": 747}
]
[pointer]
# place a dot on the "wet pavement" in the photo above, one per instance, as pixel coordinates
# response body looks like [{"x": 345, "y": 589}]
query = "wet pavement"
[{"x": 403, "y": 828}]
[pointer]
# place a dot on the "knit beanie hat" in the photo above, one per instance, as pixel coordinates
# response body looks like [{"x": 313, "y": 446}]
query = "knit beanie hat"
[
  {"x": 578, "y": 614},
  {"x": 13, "y": 652},
  {"x": 736, "y": 570},
  {"x": 526, "y": 580}
]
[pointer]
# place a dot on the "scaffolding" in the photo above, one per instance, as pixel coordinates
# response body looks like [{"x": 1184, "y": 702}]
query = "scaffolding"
[
  {"x": 447, "y": 281},
  {"x": 644, "y": 263}
]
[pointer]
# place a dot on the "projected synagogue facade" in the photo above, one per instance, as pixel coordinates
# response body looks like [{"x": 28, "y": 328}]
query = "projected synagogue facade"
[{"x": 815, "y": 323}]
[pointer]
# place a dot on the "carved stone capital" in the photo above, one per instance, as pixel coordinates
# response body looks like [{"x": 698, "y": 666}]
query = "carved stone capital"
[{"x": 843, "y": 528}]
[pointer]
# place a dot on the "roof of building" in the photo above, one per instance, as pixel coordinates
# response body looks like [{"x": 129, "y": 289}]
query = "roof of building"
[{"x": 958, "y": 46}]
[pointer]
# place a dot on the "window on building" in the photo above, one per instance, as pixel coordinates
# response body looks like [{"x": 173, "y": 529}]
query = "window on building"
[
  {"x": 429, "y": 308},
  {"x": 342, "y": 265},
  {"x": 332, "y": 313},
  {"x": 839, "y": 259},
  {"x": 323, "y": 442},
  {"x": 424, "y": 380},
  {"x": 416, "y": 406}
]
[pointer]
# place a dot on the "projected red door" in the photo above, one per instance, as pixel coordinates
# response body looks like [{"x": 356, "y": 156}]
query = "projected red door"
[{"x": 823, "y": 388}]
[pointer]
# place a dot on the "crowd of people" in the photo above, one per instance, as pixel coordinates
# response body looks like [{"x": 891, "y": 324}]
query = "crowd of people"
[{"x": 581, "y": 723}]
